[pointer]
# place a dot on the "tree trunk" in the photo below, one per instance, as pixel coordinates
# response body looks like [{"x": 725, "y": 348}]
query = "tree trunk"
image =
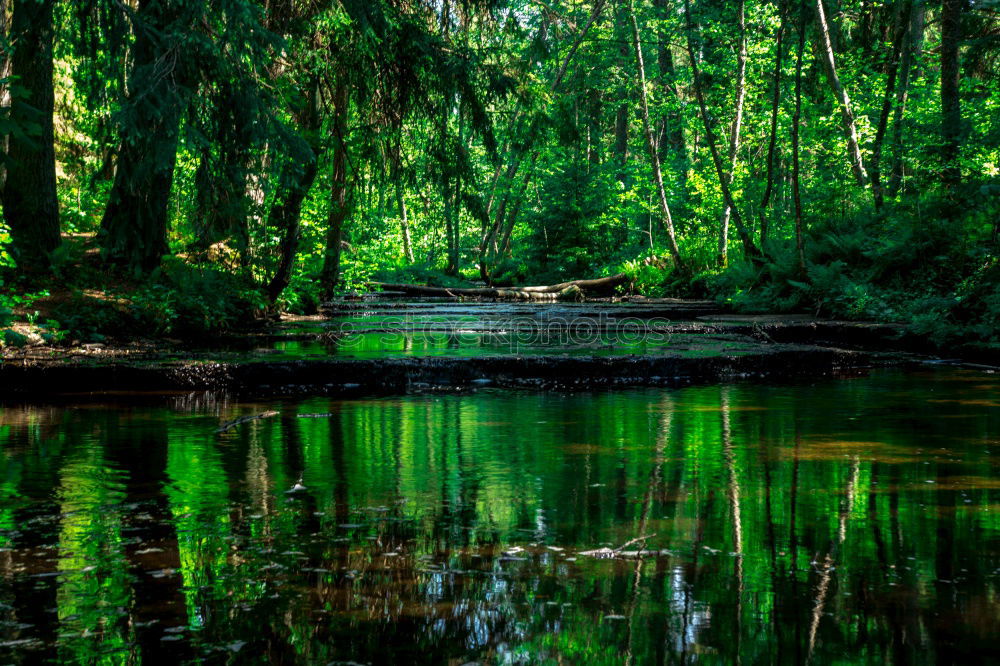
[
  {"x": 594, "y": 134},
  {"x": 673, "y": 150},
  {"x": 734, "y": 136},
  {"x": 765, "y": 202},
  {"x": 516, "y": 210},
  {"x": 899, "y": 108},
  {"x": 892, "y": 71},
  {"x": 4, "y": 83},
  {"x": 30, "y": 202},
  {"x": 134, "y": 229},
  {"x": 620, "y": 149},
  {"x": 455, "y": 258},
  {"x": 339, "y": 204},
  {"x": 843, "y": 100},
  {"x": 654, "y": 158},
  {"x": 404, "y": 221},
  {"x": 951, "y": 105},
  {"x": 452, "y": 267},
  {"x": 748, "y": 245},
  {"x": 621, "y": 141},
  {"x": 796, "y": 122},
  {"x": 297, "y": 177},
  {"x": 286, "y": 215}
]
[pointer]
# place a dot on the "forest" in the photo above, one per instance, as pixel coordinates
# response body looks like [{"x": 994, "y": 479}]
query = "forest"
[
  {"x": 191, "y": 166},
  {"x": 507, "y": 332}
]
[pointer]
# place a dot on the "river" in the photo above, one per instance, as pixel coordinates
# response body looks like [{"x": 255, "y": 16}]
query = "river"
[{"x": 835, "y": 520}]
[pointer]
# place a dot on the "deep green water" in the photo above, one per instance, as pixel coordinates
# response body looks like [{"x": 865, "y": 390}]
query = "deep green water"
[{"x": 852, "y": 520}]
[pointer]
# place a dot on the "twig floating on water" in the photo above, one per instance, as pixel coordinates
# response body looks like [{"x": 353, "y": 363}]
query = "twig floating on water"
[{"x": 245, "y": 419}]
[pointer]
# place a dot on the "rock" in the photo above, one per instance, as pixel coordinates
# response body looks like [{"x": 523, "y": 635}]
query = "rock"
[{"x": 572, "y": 293}]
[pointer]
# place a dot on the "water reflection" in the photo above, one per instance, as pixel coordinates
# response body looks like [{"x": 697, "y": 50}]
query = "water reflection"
[{"x": 854, "y": 520}]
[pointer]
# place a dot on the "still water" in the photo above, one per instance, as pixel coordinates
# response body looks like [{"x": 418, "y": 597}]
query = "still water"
[{"x": 853, "y": 520}]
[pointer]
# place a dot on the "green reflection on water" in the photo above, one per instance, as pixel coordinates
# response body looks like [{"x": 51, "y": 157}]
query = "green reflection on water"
[
  {"x": 853, "y": 520},
  {"x": 474, "y": 344},
  {"x": 94, "y": 590}
]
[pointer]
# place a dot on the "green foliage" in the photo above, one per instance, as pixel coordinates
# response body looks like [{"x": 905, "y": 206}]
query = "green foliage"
[
  {"x": 195, "y": 299},
  {"x": 178, "y": 299},
  {"x": 503, "y": 112},
  {"x": 574, "y": 231},
  {"x": 648, "y": 277}
]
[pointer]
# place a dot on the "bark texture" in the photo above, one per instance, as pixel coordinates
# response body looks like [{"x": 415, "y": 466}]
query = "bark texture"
[
  {"x": 134, "y": 229},
  {"x": 30, "y": 202}
]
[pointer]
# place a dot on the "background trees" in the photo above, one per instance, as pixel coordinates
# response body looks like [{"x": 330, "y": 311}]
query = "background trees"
[{"x": 306, "y": 147}]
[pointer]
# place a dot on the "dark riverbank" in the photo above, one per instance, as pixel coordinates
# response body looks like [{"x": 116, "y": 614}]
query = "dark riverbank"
[{"x": 392, "y": 347}]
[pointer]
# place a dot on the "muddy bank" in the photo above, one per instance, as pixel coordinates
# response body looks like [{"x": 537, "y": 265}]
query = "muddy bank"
[{"x": 401, "y": 375}]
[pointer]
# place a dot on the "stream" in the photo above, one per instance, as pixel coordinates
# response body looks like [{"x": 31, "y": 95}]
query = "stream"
[{"x": 851, "y": 520}]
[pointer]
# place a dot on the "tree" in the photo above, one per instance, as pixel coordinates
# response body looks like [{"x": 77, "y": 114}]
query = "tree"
[
  {"x": 671, "y": 141},
  {"x": 298, "y": 172},
  {"x": 773, "y": 136},
  {"x": 892, "y": 72},
  {"x": 796, "y": 128},
  {"x": 843, "y": 99},
  {"x": 654, "y": 158},
  {"x": 748, "y": 245},
  {"x": 30, "y": 200},
  {"x": 734, "y": 134},
  {"x": 339, "y": 198},
  {"x": 134, "y": 229},
  {"x": 951, "y": 104}
]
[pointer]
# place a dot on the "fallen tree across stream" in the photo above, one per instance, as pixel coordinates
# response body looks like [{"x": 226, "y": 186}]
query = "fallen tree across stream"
[{"x": 574, "y": 290}]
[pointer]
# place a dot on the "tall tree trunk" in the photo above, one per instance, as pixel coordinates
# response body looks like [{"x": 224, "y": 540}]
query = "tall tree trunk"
[
  {"x": 892, "y": 70},
  {"x": 673, "y": 150},
  {"x": 765, "y": 202},
  {"x": 297, "y": 177},
  {"x": 843, "y": 99},
  {"x": 622, "y": 30},
  {"x": 339, "y": 205},
  {"x": 748, "y": 245},
  {"x": 951, "y": 105},
  {"x": 30, "y": 202},
  {"x": 621, "y": 141},
  {"x": 594, "y": 135},
  {"x": 902, "y": 93},
  {"x": 518, "y": 200},
  {"x": 446, "y": 190},
  {"x": 404, "y": 221},
  {"x": 654, "y": 158},
  {"x": 796, "y": 122},
  {"x": 734, "y": 135},
  {"x": 286, "y": 216},
  {"x": 134, "y": 229},
  {"x": 456, "y": 226}
]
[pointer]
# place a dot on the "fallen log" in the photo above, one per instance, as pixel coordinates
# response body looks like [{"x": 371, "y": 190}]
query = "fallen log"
[{"x": 573, "y": 290}]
